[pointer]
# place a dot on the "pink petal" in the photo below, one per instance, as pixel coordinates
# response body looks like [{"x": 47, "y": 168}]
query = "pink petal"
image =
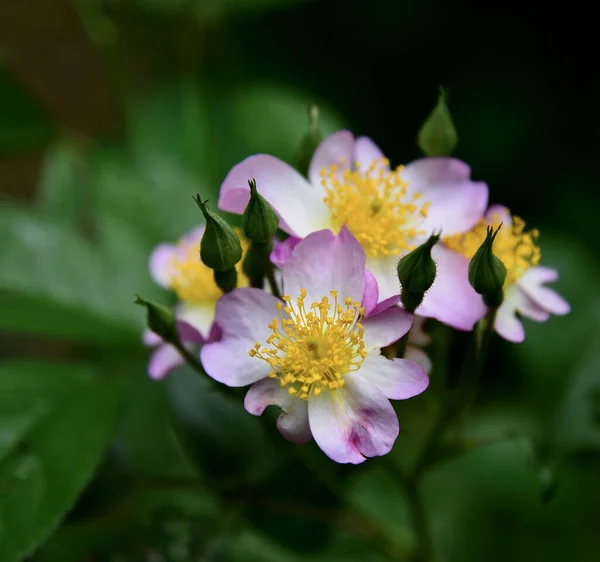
[
  {"x": 457, "y": 203},
  {"x": 451, "y": 299},
  {"x": 386, "y": 327},
  {"x": 353, "y": 422},
  {"x": 499, "y": 213},
  {"x": 421, "y": 358},
  {"x": 293, "y": 421},
  {"x": 188, "y": 333},
  {"x": 163, "y": 360},
  {"x": 384, "y": 271},
  {"x": 160, "y": 263},
  {"x": 246, "y": 313},
  {"x": 398, "y": 379},
  {"x": 371, "y": 293},
  {"x": 300, "y": 206},
  {"x": 330, "y": 152},
  {"x": 199, "y": 316},
  {"x": 507, "y": 324},
  {"x": 228, "y": 362},
  {"x": 384, "y": 305},
  {"x": 544, "y": 297},
  {"x": 366, "y": 152},
  {"x": 323, "y": 262},
  {"x": 150, "y": 339},
  {"x": 282, "y": 251}
]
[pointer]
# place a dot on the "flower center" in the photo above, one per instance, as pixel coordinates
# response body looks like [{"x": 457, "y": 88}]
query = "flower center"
[
  {"x": 514, "y": 247},
  {"x": 375, "y": 206},
  {"x": 193, "y": 281},
  {"x": 312, "y": 349}
]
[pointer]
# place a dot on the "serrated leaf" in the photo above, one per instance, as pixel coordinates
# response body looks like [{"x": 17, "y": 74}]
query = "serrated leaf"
[{"x": 57, "y": 421}]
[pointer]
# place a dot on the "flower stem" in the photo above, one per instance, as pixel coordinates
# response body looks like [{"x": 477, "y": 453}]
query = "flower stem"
[
  {"x": 190, "y": 358},
  {"x": 423, "y": 551},
  {"x": 270, "y": 274}
]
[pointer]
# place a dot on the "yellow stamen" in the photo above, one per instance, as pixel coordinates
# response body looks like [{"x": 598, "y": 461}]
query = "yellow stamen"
[
  {"x": 191, "y": 280},
  {"x": 312, "y": 349},
  {"x": 514, "y": 247},
  {"x": 375, "y": 206}
]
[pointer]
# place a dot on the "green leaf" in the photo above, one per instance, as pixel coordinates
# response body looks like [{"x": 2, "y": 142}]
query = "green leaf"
[
  {"x": 56, "y": 422},
  {"x": 84, "y": 288}
]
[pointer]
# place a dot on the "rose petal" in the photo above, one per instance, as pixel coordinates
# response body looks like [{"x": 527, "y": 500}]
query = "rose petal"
[
  {"x": 451, "y": 299},
  {"x": 371, "y": 293},
  {"x": 421, "y": 358},
  {"x": 323, "y": 262},
  {"x": 353, "y": 422},
  {"x": 163, "y": 360},
  {"x": 228, "y": 361},
  {"x": 335, "y": 148},
  {"x": 457, "y": 203},
  {"x": 188, "y": 333},
  {"x": 544, "y": 297},
  {"x": 300, "y": 206},
  {"x": 199, "y": 316},
  {"x": 507, "y": 324},
  {"x": 150, "y": 339},
  {"x": 246, "y": 313},
  {"x": 293, "y": 421},
  {"x": 499, "y": 214},
  {"x": 384, "y": 270},
  {"x": 282, "y": 251},
  {"x": 398, "y": 379},
  {"x": 366, "y": 152},
  {"x": 386, "y": 327},
  {"x": 160, "y": 264}
]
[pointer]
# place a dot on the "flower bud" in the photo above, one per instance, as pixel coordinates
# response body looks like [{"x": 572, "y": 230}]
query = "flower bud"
[
  {"x": 260, "y": 220},
  {"x": 486, "y": 272},
  {"x": 416, "y": 273},
  {"x": 438, "y": 136},
  {"x": 220, "y": 247},
  {"x": 311, "y": 140},
  {"x": 226, "y": 280},
  {"x": 160, "y": 319}
]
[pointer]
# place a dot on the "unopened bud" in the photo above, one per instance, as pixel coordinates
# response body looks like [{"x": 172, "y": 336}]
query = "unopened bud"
[
  {"x": 416, "y": 273},
  {"x": 310, "y": 141},
  {"x": 220, "y": 248},
  {"x": 226, "y": 280},
  {"x": 486, "y": 272},
  {"x": 260, "y": 220},
  {"x": 159, "y": 319},
  {"x": 438, "y": 136}
]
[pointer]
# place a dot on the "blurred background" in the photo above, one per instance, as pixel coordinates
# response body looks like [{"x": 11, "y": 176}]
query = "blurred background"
[{"x": 113, "y": 113}]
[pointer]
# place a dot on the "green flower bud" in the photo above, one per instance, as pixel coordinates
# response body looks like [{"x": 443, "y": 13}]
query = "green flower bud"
[
  {"x": 416, "y": 271},
  {"x": 220, "y": 247},
  {"x": 226, "y": 280},
  {"x": 260, "y": 220},
  {"x": 256, "y": 263},
  {"x": 486, "y": 272},
  {"x": 160, "y": 319},
  {"x": 311, "y": 140},
  {"x": 438, "y": 136}
]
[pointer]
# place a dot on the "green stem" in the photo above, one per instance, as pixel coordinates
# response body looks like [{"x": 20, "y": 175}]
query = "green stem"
[
  {"x": 270, "y": 274},
  {"x": 424, "y": 550}
]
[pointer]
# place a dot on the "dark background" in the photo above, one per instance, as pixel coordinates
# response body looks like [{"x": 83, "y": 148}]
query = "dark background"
[{"x": 112, "y": 113}]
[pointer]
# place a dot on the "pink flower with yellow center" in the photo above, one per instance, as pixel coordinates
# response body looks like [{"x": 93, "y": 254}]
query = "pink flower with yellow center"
[
  {"x": 178, "y": 267},
  {"x": 524, "y": 290},
  {"x": 316, "y": 352},
  {"x": 389, "y": 211}
]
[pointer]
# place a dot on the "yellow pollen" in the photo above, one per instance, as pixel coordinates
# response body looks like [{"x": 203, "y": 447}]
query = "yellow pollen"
[
  {"x": 514, "y": 247},
  {"x": 193, "y": 281},
  {"x": 375, "y": 206},
  {"x": 312, "y": 348}
]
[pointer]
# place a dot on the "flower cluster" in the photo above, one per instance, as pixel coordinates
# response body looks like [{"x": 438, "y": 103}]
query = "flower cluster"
[{"x": 316, "y": 351}]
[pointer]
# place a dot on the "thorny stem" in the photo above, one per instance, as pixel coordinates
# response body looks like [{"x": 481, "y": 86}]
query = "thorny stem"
[{"x": 450, "y": 411}]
